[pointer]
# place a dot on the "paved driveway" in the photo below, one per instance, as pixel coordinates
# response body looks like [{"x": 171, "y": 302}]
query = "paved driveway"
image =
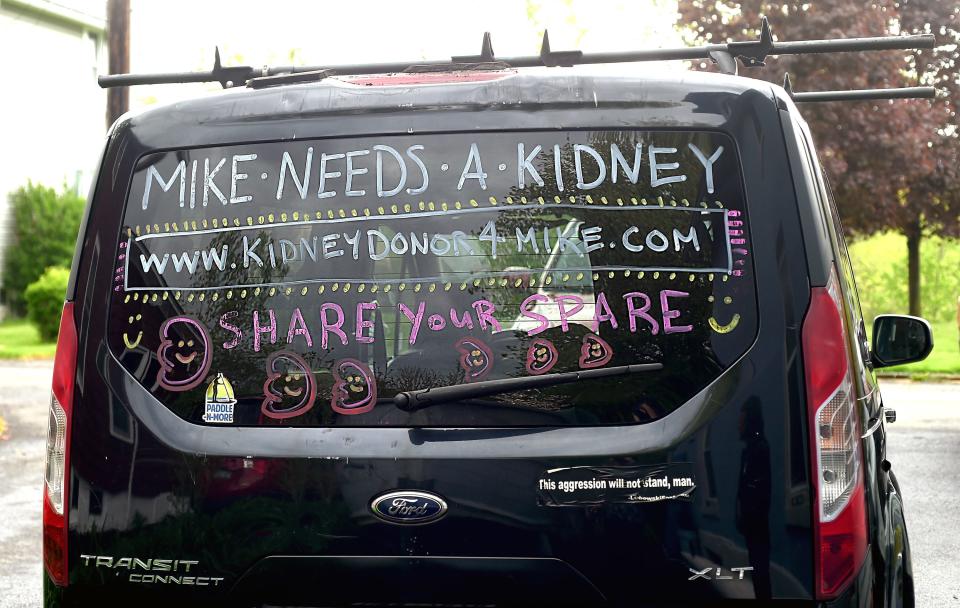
[
  {"x": 24, "y": 399},
  {"x": 924, "y": 448}
]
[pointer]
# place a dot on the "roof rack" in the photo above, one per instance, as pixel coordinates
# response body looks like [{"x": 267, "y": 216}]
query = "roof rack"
[
  {"x": 858, "y": 94},
  {"x": 751, "y": 53}
]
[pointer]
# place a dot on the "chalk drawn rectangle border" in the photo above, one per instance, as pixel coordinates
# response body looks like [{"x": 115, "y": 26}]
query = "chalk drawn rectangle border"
[{"x": 725, "y": 270}]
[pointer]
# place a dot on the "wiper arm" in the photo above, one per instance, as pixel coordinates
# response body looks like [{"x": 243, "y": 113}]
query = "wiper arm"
[{"x": 415, "y": 400}]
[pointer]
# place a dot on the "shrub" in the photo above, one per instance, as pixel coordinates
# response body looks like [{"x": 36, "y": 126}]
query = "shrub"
[
  {"x": 44, "y": 299},
  {"x": 45, "y": 226}
]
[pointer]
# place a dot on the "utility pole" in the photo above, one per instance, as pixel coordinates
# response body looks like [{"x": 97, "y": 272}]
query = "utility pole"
[{"x": 118, "y": 41}]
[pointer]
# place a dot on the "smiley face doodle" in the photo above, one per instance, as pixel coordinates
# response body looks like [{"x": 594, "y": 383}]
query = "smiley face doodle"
[
  {"x": 184, "y": 354},
  {"x": 290, "y": 389},
  {"x": 721, "y": 328},
  {"x": 724, "y": 329},
  {"x": 541, "y": 356},
  {"x": 476, "y": 358},
  {"x": 594, "y": 352},
  {"x": 354, "y": 388},
  {"x": 132, "y": 344}
]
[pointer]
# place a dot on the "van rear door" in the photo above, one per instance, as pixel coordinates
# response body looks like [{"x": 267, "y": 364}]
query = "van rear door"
[{"x": 275, "y": 308}]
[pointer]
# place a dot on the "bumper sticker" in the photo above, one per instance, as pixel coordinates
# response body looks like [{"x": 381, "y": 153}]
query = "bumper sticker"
[
  {"x": 219, "y": 401},
  {"x": 576, "y": 486}
]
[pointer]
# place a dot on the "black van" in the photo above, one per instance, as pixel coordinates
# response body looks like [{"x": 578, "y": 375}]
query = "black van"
[{"x": 470, "y": 336}]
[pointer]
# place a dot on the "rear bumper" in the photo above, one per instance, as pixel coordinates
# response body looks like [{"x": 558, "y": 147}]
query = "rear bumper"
[
  {"x": 426, "y": 581},
  {"x": 421, "y": 582},
  {"x": 334, "y": 581}
]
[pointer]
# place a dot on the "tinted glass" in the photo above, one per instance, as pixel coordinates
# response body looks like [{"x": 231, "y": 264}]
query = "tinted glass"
[
  {"x": 901, "y": 339},
  {"x": 306, "y": 283}
]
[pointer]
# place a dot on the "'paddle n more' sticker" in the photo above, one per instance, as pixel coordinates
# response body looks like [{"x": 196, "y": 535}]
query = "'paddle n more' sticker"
[
  {"x": 577, "y": 486},
  {"x": 324, "y": 277}
]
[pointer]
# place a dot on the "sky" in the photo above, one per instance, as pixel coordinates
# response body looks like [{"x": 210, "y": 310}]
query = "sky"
[{"x": 180, "y": 35}]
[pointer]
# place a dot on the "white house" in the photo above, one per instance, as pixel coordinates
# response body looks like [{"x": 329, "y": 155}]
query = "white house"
[{"x": 52, "y": 113}]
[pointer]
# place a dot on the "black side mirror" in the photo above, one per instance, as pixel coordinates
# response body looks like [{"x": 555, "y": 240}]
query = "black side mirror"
[{"x": 899, "y": 339}]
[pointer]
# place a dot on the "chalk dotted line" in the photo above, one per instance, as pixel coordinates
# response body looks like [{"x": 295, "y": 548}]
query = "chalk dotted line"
[
  {"x": 395, "y": 209},
  {"x": 416, "y": 287},
  {"x": 148, "y": 298}
]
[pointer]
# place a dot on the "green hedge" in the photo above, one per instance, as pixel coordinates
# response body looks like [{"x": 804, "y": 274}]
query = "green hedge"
[
  {"x": 45, "y": 226},
  {"x": 44, "y": 298}
]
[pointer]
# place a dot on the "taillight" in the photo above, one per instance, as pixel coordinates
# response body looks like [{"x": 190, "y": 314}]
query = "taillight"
[
  {"x": 58, "y": 450},
  {"x": 840, "y": 506}
]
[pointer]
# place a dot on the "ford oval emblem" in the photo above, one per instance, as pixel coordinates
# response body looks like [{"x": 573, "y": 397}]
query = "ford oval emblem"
[{"x": 409, "y": 507}]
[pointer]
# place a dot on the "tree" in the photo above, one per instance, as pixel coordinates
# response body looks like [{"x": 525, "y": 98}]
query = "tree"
[
  {"x": 892, "y": 164},
  {"x": 940, "y": 191},
  {"x": 45, "y": 226}
]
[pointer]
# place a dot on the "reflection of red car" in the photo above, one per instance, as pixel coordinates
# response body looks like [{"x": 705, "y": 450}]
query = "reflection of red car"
[{"x": 236, "y": 477}]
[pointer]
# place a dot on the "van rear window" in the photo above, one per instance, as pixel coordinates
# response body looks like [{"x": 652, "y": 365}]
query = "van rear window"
[{"x": 309, "y": 283}]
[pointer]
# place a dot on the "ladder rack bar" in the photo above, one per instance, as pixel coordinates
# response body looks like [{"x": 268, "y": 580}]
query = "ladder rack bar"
[
  {"x": 866, "y": 94},
  {"x": 751, "y": 53}
]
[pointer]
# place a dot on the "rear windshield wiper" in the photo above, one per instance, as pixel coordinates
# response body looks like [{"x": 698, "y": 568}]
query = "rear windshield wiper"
[{"x": 419, "y": 399}]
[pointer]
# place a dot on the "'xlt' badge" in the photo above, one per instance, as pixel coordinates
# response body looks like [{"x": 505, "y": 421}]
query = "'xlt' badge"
[{"x": 409, "y": 507}]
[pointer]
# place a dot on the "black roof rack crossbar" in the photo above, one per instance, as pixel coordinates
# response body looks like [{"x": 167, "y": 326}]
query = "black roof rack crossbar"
[
  {"x": 866, "y": 94},
  {"x": 226, "y": 76},
  {"x": 751, "y": 53},
  {"x": 858, "y": 94}
]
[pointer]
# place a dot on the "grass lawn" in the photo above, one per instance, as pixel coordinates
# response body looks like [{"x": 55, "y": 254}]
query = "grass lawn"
[{"x": 20, "y": 340}]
